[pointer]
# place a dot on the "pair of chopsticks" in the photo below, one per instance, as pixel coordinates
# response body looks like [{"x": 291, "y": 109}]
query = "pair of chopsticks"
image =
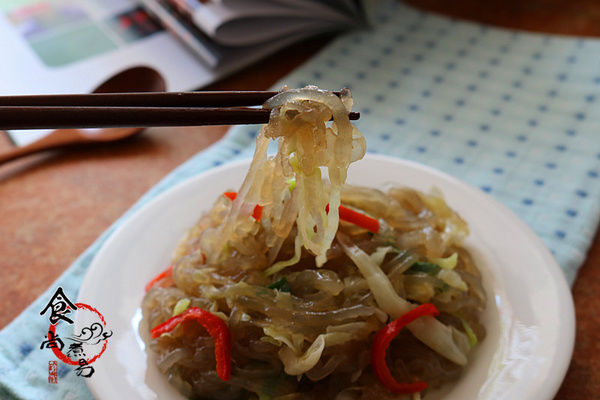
[{"x": 104, "y": 110}]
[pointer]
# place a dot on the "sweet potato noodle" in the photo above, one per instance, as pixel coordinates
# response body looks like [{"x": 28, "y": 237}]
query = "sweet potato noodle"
[{"x": 310, "y": 335}]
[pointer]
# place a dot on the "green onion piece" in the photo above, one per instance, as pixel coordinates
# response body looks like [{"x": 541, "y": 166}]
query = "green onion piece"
[
  {"x": 181, "y": 306},
  {"x": 291, "y": 184},
  {"x": 425, "y": 267},
  {"x": 282, "y": 285},
  {"x": 470, "y": 334}
]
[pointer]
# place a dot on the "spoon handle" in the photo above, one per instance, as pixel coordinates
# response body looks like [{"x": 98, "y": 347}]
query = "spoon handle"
[{"x": 58, "y": 138}]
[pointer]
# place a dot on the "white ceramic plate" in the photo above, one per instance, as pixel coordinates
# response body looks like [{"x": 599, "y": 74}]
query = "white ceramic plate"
[{"x": 529, "y": 318}]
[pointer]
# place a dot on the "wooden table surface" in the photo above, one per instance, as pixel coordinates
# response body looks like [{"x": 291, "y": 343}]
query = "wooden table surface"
[{"x": 54, "y": 205}]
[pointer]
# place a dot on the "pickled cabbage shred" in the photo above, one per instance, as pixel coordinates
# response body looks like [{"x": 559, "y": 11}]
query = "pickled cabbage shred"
[{"x": 312, "y": 336}]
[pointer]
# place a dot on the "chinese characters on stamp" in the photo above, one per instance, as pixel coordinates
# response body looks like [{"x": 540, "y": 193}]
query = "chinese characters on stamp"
[
  {"x": 85, "y": 347},
  {"x": 52, "y": 371}
]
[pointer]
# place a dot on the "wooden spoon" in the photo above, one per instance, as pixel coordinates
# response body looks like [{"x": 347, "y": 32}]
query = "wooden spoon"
[{"x": 138, "y": 79}]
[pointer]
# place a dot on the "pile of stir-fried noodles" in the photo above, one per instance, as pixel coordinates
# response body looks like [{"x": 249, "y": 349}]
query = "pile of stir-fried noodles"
[{"x": 289, "y": 287}]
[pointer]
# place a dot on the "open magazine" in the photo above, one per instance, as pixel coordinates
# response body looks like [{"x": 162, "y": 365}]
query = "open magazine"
[
  {"x": 229, "y": 34},
  {"x": 72, "y": 46}
]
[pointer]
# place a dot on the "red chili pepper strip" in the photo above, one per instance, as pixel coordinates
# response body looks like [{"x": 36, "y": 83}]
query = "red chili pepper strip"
[
  {"x": 382, "y": 341},
  {"x": 165, "y": 274},
  {"x": 256, "y": 213},
  {"x": 356, "y": 218},
  {"x": 230, "y": 195},
  {"x": 214, "y": 325}
]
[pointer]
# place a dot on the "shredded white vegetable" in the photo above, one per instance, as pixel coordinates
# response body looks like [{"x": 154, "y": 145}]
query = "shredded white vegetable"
[
  {"x": 446, "y": 263},
  {"x": 433, "y": 333},
  {"x": 453, "y": 279},
  {"x": 181, "y": 306},
  {"x": 295, "y": 364},
  {"x": 294, "y": 341}
]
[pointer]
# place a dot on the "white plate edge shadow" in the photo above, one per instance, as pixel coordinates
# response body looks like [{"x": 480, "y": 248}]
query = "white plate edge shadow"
[{"x": 554, "y": 366}]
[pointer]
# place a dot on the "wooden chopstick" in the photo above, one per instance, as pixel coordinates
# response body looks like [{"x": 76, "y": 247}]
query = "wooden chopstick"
[
  {"x": 145, "y": 99},
  {"x": 65, "y": 117},
  {"x": 105, "y": 110}
]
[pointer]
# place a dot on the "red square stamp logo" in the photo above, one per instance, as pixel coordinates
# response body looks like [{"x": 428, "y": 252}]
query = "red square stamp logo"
[{"x": 52, "y": 371}]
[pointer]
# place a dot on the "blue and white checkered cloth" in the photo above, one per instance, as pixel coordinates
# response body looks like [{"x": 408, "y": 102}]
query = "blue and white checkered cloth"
[{"x": 513, "y": 113}]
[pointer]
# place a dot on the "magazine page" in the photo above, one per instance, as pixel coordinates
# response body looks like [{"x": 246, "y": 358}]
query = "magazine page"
[
  {"x": 347, "y": 7},
  {"x": 318, "y": 9},
  {"x": 201, "y": 45},
  {"x": 243, "y": 23},
  {"x": 244, "y": 32}
]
